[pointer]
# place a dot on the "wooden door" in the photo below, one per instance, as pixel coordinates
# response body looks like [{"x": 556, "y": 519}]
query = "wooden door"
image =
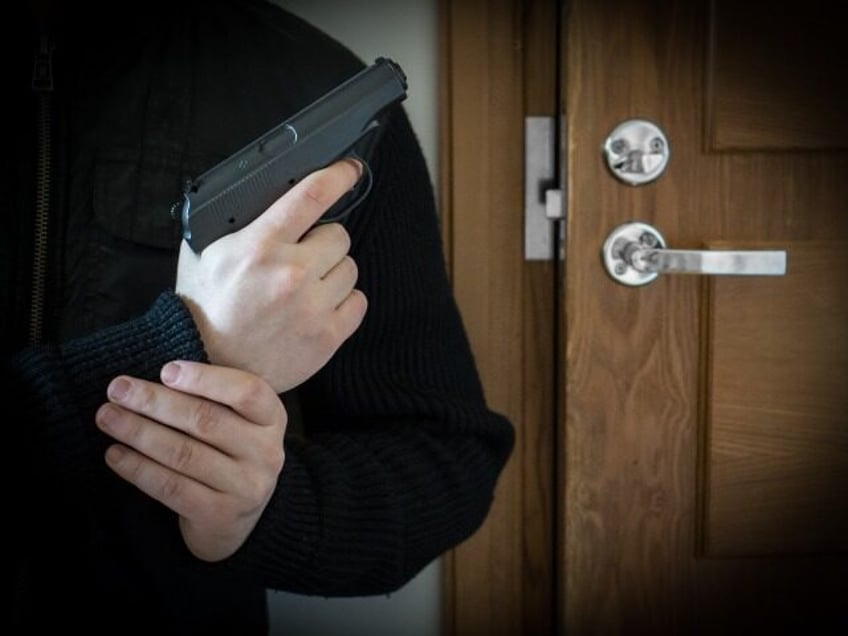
[
  {"x": 681, "y": 460},
  {"x": 705, "y": 447}
]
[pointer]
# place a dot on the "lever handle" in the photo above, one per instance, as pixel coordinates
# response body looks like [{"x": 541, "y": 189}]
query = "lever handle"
[{"x": 635, "y": 254}]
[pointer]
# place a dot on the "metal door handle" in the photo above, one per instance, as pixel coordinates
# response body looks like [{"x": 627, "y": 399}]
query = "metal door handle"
[{"x": 634, "y": 254}]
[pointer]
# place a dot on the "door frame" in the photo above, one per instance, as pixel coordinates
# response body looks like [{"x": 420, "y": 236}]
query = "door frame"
[{"x": 502, "y": 581}]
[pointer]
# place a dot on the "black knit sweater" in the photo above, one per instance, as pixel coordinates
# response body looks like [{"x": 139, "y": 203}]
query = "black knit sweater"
[{"x": 397, "y": 455}]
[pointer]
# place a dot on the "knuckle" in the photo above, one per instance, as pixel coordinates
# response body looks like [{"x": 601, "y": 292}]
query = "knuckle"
[
  {"x": 342, "y": 235},
  {"x": 273, "y": 457},
  {"x": 143, "y": 398},
  {"x": 258, "y": 483},
  {"x": 171, "y": 488},
  {"x": 265, "y": 485},
  {"x": 182, "y": 455},
  {"x": 291, "y": 279},
  {"x": 352, "y": 267},
  {"x": 282, "y": 416},
  {"x": 313, "y": 193},
  {"x": 265, "y": 249},
  {"x": 131, "y": 430},
  {"x": 204, "y": 418},
  {"x": 132, "y": 470},
  {"x": 250, "y": 492},
  {"x": 251, "y": 390},
  {"x": 349, "y": 320},
  {"x": 360, "y": 301}
]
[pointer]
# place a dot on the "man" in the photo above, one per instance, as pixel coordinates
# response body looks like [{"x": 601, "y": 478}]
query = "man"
[{"x": 295, "y": 408}]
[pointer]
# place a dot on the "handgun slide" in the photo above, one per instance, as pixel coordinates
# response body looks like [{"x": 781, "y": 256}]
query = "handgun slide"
[{"x": 237, "y": 190}]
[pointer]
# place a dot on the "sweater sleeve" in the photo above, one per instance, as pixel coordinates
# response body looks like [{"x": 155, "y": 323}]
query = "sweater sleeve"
[
  {"x": 401, "y": 453},
  {"x": 60, "y": 387}
]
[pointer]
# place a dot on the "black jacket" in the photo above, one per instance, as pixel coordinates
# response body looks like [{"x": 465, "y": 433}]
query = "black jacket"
[{"x": 399, "y": 454}]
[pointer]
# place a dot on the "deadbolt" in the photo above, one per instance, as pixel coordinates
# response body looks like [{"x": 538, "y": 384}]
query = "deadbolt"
[{"x": 637, "y": 151}]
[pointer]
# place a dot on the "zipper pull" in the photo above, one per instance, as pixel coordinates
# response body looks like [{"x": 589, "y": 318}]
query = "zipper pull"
[{"x": 42, "y": 68}]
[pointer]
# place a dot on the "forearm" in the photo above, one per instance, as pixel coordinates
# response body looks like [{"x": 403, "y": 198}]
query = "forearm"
[{"x": 360, "y": 515}]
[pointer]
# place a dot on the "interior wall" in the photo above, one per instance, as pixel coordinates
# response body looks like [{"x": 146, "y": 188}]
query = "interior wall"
[
  {"x": 407, "y": 32},
  {"x": 404, "y": 30}
]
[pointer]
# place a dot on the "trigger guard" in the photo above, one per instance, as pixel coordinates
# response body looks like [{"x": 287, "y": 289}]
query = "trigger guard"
[{"x": 360, "y": 190}]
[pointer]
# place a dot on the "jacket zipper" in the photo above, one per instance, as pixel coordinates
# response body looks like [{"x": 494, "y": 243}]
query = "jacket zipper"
[{"x": 42, "y": 86}]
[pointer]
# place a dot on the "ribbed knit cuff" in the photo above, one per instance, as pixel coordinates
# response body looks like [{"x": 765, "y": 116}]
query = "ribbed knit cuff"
[
  {"x": 138, "y": 347},
  {"x": 65, "y": 386}
]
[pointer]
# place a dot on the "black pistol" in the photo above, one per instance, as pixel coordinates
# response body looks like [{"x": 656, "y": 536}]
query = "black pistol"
[{"x": 237, "y": 190}]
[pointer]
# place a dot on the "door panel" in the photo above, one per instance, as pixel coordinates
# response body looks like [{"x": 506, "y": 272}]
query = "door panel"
[
  {"x": 762, "y": 90},
  {"x": 776, "y": 437},
  {"x": 705, "y": 433}
]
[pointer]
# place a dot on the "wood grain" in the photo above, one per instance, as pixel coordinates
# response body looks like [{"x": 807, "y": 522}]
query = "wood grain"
[
  {"x": 636, "y": 463},
  {"x": 777, "y": 396},
  {"x": 638, "y": 451},
  {"x": 500, "y": 582}
]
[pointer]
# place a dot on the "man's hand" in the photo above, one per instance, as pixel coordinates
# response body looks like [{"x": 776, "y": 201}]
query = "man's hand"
[
  {"x": 277, "y": 298},
  {"x": 208, "y": 444}
]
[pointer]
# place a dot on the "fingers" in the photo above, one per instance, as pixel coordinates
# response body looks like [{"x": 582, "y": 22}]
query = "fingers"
[
  {"x": 245, "y": 393},
  {"x": 327, "y": 244},
  {"x": 199, "y": 456},
  {"x": 351, "y": 312},
  {"x": 291, "y": 216},
  {"x": 216, "y": 422},
  {"x": 177, "y": 458},
  {"x": 208, "y": 442},
  {"x": 182, "y": 495},
  {"x": 340, "y": 280}
]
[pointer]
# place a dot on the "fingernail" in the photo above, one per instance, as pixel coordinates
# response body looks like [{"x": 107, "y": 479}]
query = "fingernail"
[
  {"x": 170, "y": 372},
  {"x": 109, "y": 419},
  {"x": 118, "y": 389},
  {"x": 114, "y": 454},
  {"x": 359, "y": 167}
]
